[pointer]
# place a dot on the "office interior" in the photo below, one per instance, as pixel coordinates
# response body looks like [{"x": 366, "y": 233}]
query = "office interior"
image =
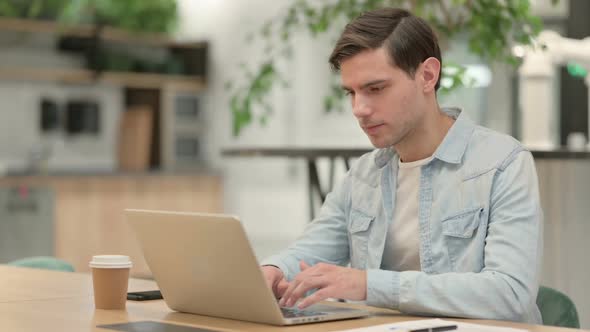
[{"x": 81, "y": 141}]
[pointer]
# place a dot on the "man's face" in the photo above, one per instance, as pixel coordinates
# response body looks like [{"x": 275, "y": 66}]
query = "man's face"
[{"x": 385, "y": 100}]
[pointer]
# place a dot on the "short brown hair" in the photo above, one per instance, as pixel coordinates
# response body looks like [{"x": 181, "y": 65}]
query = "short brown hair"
[{"x": 408, "y": 39}]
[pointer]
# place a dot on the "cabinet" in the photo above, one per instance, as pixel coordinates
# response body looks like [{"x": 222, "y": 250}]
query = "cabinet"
[
  {"x": 87, "y": 215},
  {"x": 26, "y": 222}
]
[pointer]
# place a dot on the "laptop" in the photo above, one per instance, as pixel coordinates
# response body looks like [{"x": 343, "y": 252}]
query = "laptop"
[{"x": 204, "y": 264}]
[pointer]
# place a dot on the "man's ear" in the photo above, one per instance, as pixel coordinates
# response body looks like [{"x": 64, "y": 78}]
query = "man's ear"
[{"x": 429, "y": 71}]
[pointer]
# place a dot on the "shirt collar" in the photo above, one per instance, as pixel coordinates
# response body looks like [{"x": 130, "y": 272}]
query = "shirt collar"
[{"x": 453, "y": 146}]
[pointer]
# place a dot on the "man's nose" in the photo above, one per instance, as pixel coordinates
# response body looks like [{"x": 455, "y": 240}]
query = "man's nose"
[{"x": 360, "y": 108}]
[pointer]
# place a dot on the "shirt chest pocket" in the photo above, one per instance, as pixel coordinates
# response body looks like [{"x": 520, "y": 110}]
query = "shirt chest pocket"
[
  {"x": 464, "y": 235},
  {"x": 359, "y": 229}
]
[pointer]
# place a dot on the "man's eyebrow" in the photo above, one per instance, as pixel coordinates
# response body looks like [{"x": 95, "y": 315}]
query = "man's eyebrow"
[
  {"x": 374, "y": 82},
  {"x": 367, "y": 84}
]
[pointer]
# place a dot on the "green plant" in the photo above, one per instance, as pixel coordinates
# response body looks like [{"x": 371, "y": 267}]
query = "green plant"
[
  {"x": 33, "y": 9},
  {"x": 492, "y": 28},
  {"x": 134, "y": 15}
]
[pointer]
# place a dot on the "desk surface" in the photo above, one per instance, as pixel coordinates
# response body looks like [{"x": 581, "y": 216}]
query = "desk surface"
[{"x": 37, "y": 300}]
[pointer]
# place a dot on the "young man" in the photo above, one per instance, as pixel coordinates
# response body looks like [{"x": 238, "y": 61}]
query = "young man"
[{"x": 442, "y": 219}]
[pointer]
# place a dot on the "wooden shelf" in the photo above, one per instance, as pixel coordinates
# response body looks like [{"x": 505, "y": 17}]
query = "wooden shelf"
[
  {"x": 106, "y": 33},
  {"x": 83, "y": 76},
  {"x": 149, "y": 39},
  {"x": 147, "y": 81},
  {"x": 86, "y": 76},
  {"x": 38, "y": 26},
  {"x": 46, "y": 74}
]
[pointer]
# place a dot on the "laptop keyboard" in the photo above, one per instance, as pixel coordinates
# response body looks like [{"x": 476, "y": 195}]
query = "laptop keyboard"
[{"x": 293, "y": 313}]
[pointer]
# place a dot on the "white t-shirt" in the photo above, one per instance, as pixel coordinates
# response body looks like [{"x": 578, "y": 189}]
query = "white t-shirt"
[{"x": 402, "y": 246}]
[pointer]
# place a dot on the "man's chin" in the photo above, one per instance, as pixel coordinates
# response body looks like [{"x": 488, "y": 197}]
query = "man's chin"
[{"x": 380, "y": 145}]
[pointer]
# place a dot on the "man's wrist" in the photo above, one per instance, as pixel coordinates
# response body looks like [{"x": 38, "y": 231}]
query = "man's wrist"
[
  {"x": 364, "y": 285},
  {"x": 276, "y": 267}
]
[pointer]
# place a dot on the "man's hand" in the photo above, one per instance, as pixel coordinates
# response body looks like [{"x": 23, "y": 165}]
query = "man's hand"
[
  {"x": 275, "y": 279},
  {"x": 329, "y": 280}
]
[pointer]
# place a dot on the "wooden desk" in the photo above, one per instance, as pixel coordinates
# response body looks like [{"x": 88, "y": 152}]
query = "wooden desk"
[{"x": 37, "y": 300}]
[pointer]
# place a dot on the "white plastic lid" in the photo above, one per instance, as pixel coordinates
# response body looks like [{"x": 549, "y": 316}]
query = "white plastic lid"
[{"x": 110, "y": 262}]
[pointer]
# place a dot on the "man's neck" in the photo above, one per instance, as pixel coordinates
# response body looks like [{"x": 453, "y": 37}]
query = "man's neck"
[{"x": 425, "y": 139}]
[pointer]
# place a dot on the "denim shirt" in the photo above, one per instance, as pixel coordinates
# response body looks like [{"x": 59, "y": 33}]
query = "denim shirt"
[{"x": 480, "y": 227}]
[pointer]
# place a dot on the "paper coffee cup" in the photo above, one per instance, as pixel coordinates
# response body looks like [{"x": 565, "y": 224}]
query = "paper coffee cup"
[{"x": 110, "y": 278}]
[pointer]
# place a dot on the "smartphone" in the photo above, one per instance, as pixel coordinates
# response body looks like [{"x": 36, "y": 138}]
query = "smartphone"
[{"x": 145, "y": 295}]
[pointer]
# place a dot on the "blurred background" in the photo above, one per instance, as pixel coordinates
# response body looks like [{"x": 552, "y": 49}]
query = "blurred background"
[{"x": 228, "y": 106}]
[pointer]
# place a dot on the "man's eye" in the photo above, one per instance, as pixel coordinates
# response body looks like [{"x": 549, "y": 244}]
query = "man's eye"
[
  {"x": 376, "y": 88},
  {"x": 348, "y": 93}
]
